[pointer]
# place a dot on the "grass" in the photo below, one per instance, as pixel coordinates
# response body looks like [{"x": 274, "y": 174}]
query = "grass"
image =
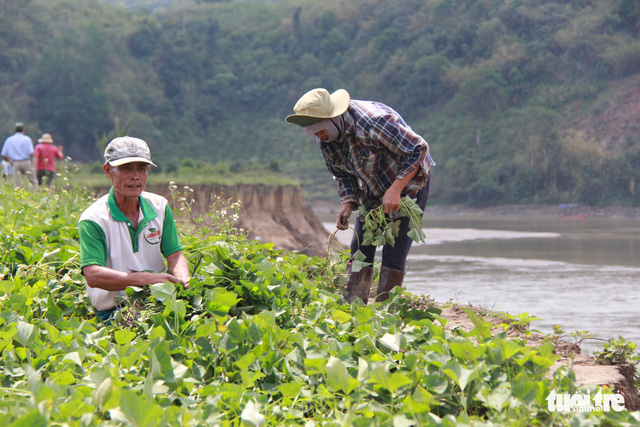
[{"x": 91, "y": 176}]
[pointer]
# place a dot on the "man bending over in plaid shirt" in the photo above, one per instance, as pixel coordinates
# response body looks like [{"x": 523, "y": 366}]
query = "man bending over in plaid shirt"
[{"x": 376, "y": 158}]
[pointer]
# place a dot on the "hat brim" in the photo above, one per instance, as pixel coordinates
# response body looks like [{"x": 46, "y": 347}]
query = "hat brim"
[
  {"x": 303, "y": 121},
  {"x": 126, "y": 160},
  {"x": 46, "y": 141},
  {"x": 340, "y": 100}
]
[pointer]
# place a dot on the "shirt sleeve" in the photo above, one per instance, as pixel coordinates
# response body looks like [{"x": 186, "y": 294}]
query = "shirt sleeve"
[
  {"x": 410, "y": 148},
  {"x": 93, "y": 244},
  {"x": 347, "y": 184},
  {"x": 170, "y": 242}
]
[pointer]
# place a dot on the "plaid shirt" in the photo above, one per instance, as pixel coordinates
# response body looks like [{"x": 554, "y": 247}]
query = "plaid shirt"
[{"x": 377, "y": 148}]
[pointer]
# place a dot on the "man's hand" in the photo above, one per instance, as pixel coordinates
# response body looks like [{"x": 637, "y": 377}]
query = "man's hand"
[
  {"x": 179, "y": 268},
  {"x": 342, "y": 219},
  {"x": 391, "y": 200},
  {"x": 166, "y": 277}
]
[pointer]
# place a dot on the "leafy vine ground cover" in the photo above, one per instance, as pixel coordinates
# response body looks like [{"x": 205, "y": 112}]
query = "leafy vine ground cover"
[{"x": 261, "y": 337}]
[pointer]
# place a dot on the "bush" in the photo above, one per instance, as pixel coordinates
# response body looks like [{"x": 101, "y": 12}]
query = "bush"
[
  {"x": 222, "y": 168},
  {"x": 96, "y": 167}
]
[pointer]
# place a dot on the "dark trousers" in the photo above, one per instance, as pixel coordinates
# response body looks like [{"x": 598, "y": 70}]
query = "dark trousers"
[
  {"x": 394, "y": 257},
  {"x": 107, "y": 315},
  {"x": 45, "y": 175}
]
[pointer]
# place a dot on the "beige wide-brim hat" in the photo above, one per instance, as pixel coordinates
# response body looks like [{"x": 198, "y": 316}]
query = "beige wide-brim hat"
[
  {"x": 317, "y": 105},
  {"x": 46, "y": 138}
]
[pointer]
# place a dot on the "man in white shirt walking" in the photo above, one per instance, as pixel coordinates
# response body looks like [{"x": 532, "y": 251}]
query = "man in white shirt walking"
[{"x": 18, "y": 151}]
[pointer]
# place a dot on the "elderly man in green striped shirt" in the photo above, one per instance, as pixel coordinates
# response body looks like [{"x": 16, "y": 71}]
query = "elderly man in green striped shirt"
[{"x": 126, "y": 235}]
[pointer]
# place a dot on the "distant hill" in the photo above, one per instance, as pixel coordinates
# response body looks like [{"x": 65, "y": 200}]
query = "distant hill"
[
  {"x": 613, "y": 119},
  {"x": 526, "y": 101}
]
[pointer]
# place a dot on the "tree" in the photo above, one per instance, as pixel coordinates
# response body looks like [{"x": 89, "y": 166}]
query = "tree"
[
  {"x": 68, "y": 98},
  {"x": 483, "y": 92}
]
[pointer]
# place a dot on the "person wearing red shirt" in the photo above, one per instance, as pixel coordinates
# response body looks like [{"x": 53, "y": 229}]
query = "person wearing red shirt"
[{"x": 45, "y": 157}]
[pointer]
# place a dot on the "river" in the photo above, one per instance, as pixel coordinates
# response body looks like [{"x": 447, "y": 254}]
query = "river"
[{"x": 581, "y": 274}]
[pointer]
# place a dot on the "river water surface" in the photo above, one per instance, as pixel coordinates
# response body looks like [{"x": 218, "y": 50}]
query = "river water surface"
[{"x": 581, "y": 274}]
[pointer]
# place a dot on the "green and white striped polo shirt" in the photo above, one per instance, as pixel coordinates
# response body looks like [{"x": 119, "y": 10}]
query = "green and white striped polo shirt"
[{"x": 109, "y": 239}]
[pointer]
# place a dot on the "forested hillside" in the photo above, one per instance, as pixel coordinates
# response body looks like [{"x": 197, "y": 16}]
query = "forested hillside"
[{"x": 521, "y": 101}]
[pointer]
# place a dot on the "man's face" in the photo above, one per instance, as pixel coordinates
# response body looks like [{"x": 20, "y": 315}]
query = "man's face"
[
  {"x": 130, "y": 179},
  {"x": 323, "y": 134}
]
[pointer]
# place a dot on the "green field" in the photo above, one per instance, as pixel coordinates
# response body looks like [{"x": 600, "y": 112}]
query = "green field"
[{"x": 261, "y": 337}]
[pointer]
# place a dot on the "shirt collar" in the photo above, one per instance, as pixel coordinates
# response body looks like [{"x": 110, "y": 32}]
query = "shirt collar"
[{"x": 147, "y": 211}]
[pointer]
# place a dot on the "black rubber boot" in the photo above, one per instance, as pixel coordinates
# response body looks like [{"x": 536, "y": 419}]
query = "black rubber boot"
[
  {"x": 359, "y": 285},
  {"x": 389, "y": 279}
]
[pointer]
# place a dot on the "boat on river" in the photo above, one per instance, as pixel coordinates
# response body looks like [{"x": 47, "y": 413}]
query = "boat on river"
[{"x": 571, "y": 211}]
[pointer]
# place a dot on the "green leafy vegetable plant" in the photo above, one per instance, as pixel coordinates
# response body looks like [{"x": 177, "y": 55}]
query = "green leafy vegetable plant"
[
  {"x": 519, "y": 323},
  {"x": 381, "y": 229},
  {"x": 618, "y": 351},
  {"x": 260, "y": 337}
]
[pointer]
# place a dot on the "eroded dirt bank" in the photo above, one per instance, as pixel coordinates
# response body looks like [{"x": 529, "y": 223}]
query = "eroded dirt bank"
[{"x": 276, "y": 214}]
